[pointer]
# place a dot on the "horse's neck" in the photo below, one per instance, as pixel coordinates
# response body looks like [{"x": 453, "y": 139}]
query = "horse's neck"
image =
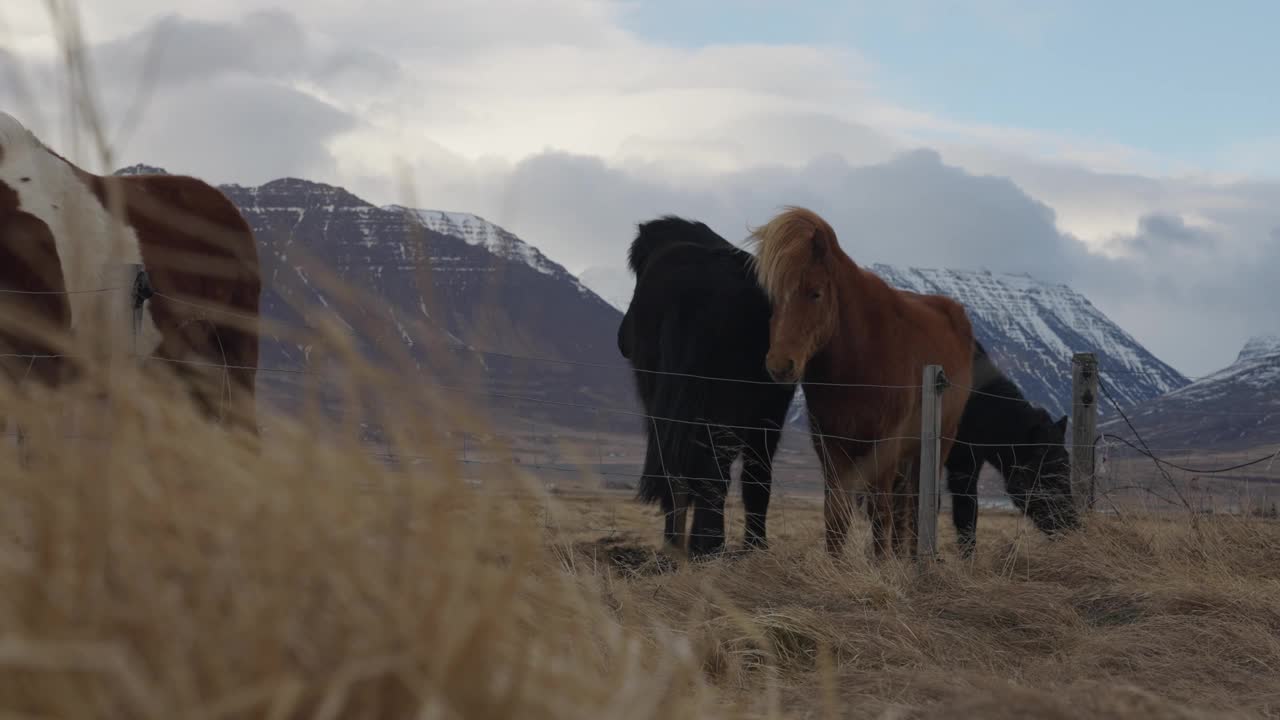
[
  {"x": 858, "y": 329},
  {"x": 1008, "y": 415}
]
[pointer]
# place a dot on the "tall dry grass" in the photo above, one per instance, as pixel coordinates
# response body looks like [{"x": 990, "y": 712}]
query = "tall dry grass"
[
  {"x": 155, "y": 566},
  {"x": 159, "y": 567}
]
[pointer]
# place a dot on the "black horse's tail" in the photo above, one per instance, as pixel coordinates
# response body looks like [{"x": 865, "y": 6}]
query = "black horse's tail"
[{"x": 679, "y": 448}]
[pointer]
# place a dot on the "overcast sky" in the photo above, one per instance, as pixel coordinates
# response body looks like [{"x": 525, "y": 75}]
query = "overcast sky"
[{"x": 1127, "y": 152}]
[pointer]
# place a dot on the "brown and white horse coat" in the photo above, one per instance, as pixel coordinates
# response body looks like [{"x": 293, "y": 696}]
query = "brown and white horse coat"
[{"x": 62, "y": 256}]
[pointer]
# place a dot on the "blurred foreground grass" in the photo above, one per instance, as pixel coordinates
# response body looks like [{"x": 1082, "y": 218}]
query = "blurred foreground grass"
[{"x": 159, "y": 567}]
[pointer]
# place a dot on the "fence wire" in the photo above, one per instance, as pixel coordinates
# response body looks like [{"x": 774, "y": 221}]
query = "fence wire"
[{"x": 1129, "y": 473}]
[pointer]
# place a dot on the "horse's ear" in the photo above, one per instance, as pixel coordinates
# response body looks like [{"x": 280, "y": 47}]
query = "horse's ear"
[
  {"x": 819, "y": 245},
  {"x": 1049, "y": 431}
]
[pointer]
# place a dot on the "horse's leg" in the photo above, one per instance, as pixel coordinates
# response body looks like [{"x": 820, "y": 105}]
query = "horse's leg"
[
  {"x": 675, "y": 509},
  {"x": 875, "y": 480},
  {"x": 880, "y": 508},
  {"x": 905, "y": 506},
  {"x": 707, "y": 535},
  {"x": 757, "y": 482},
  {"x": 838, "y": 501},
  {"x": 670, "y": 498},
  {"x": 962, "y": 482},
  {"x": 712, "y": 483}
]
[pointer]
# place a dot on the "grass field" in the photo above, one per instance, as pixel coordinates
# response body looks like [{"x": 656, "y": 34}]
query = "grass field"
[{"x": 173, "y": 570}]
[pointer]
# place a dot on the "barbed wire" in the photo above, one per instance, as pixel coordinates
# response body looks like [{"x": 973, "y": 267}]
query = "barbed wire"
[
  {"x": 581, "y": 406},
  {"x": 783, "y": 478},
  {"x": 621, "y": 367},
  {"x": 6, "y": 291},
  {"x": 1195, "y": 471}
]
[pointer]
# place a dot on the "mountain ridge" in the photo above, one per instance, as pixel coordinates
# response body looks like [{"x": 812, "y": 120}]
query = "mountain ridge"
[
  {"x": 456, "y": 305},
  {"x": 1235, "y": 408},
  {"x": 1030, "y": 327}
]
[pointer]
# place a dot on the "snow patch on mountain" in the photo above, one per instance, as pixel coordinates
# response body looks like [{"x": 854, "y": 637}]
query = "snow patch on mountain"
[
  {"x": 1257, "y": 367},
  {"x": 475, "y": 230},
  {"x": 1259, "y": 347},
  {"x": 1050, "y": 322},
  {"x": 1236, "y": 407},
  {"x": 141, "y": 169},
  {"x": 1033, "y": 328}
]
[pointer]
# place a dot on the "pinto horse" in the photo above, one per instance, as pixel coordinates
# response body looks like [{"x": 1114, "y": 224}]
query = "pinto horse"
[
  {"x": 59, "y": 273},
  {"x": 697, "y": 315},
  {"x": 1022, "y": 442},
  {"x": 859, "y": 347}
]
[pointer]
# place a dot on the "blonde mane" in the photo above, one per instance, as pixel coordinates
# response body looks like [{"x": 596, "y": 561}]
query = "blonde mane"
[{"x": 783, "y": 247}]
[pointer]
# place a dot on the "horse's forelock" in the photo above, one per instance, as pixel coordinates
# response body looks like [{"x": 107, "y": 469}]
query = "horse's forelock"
[{"x": 786, "y": 245}]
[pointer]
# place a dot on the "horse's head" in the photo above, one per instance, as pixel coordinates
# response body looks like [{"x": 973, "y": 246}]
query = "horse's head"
[
  {"x": 1043, "y": 475},
  {"x": 794, "y": 266}
]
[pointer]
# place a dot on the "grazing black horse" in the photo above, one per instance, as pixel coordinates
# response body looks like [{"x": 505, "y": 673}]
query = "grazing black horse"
[
  {"x": 1022, "y": 442},
  {"x": 697, "y": 310}
]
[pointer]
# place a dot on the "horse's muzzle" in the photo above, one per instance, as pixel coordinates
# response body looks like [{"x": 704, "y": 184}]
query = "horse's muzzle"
[{"x": 782, "y": 371}]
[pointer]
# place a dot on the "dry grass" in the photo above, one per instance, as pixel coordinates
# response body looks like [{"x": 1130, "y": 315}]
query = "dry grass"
[
  {"x": 174, "y": 570},
  {"x": 1147, "y": 616}
]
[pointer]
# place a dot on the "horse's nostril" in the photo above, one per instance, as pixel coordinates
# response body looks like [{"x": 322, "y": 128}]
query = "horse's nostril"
[{"x": 783, "y": 370}]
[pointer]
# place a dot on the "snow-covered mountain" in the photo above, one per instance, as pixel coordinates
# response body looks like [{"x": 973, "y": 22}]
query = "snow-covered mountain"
[
  {"x": 1236, "y": 407},
  {"x": 140, "y": 169},
  {"x": 1031, "y": 328},
  {"x": 472, "y": 306},
  {"x": 1259, "y": 347},
  {"x": 497, "y": 240}
]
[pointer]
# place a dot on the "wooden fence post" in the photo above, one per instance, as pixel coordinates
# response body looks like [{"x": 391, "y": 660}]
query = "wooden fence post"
[
  {"x": 1084, "y": 428},
  {"x": 930, "y": 470}
]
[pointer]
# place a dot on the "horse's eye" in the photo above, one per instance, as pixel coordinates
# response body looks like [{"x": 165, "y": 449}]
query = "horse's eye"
[{"x": 815, "y": 294}]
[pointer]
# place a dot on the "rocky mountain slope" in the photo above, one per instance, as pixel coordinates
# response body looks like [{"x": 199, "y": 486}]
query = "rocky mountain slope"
[
  {"x": 467, "y": 305},
  {"x": 1237, "y": 407}
]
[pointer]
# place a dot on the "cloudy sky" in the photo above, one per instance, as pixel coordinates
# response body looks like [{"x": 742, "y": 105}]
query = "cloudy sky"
[{"x": 1131, "y": 152}]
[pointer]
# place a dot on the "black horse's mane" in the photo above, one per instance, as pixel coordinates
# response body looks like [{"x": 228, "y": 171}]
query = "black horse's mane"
[{"x": 653, "y": 236}]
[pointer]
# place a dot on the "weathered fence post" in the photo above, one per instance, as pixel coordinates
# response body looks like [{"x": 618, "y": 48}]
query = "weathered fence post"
[
  {"x": 930, "y": 470},
  {"x": 1084, "y": 428}
]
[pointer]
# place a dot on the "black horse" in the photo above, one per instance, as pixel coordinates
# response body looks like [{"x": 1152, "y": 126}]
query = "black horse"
[
  {"x": 696, "y": 333},
  {"x": 1020, "y": 440}
]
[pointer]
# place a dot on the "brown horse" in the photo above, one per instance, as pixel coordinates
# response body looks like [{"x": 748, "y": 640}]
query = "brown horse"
[
  {"x": 67, "y": 237},
  {"x": 859, "y": 347}
]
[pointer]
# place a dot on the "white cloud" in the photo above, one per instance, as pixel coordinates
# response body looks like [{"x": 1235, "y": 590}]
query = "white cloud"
[{"x": 548, "y": 117}]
